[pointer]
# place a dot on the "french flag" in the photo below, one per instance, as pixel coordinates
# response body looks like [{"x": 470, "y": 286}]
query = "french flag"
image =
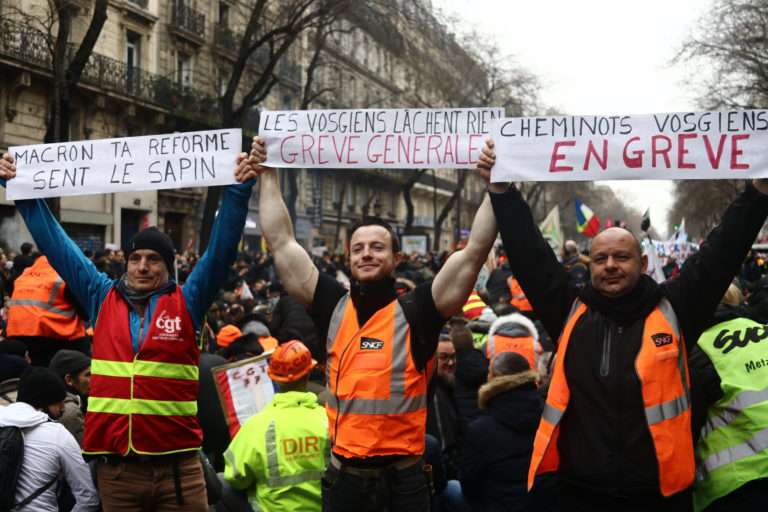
[{"x": 587, "y": 223}]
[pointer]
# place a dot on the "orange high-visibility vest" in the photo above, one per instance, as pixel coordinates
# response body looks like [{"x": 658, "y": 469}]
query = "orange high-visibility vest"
[
  {"x": 378, "y": 403},
  {"x": 517, "y": 296},
  {"x": 39, "y": 307},
  {"x": 662, "y": 367},
  {"x": 523, "y": 345}
]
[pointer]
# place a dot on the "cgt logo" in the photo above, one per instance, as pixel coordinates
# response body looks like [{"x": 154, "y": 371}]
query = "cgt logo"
[
  {"x": 661, "y": 339},
  {"x": 168, "y": 324},
  {"x": 371, "y": 344}
]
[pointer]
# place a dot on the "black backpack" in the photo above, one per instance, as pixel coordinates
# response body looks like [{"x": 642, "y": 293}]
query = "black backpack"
[{"x": 11, "y": 459}]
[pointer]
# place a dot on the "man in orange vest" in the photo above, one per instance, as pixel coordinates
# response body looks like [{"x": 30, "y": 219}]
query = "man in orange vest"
[
  {"x": 380, "y": 349},
  {"x": 141, "y": 422},
  {"x": 617, "y": 421},
  {"x": 43, "y": 314}
]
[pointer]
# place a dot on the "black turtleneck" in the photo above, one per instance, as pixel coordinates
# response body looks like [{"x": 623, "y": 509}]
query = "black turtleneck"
[{"x": 422, "y": 315}]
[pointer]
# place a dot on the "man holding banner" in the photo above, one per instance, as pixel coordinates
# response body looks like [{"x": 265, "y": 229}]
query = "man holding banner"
[
  {"x": 380, "y": 349},
  {"x": 141, "y": 424},
  {"x": 617, "y": 422}
]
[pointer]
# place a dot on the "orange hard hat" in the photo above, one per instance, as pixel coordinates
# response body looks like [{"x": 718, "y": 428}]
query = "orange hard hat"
[
  {"x": 227, "y": 335},
  {"x": 290, "y": 362}
]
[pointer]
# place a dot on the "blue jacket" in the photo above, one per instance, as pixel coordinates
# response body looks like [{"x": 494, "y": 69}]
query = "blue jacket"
[{"x": 90, "y": 287}]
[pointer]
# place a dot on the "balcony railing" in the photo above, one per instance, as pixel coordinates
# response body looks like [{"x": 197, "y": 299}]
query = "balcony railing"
[
  {"x": 225, "y": 38},
  {"x": 186, "y": 18},
  {"x": 28, "y": 46}
]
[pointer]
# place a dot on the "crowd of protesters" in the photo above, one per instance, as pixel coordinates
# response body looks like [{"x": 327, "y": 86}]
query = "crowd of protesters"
[{"x": 478, "y": 434}]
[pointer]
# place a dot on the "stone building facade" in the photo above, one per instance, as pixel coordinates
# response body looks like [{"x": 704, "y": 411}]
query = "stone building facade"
[{"x": 160, "y": 66}]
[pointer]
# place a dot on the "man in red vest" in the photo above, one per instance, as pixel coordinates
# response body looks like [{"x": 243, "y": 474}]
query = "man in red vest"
[
  {"x": 141, "y": 422},
  {"x": 380, "y": 349},
  {"x": 617, "y": 422}
]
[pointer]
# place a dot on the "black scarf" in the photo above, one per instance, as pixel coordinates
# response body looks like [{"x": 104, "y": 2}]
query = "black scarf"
[
  {"x": 629, "y": 308},
  {"x": 139, "y": 300},
  {"x": 371, "y": 297}
]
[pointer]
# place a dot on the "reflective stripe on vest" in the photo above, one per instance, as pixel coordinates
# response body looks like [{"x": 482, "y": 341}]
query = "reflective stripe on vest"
[
  {"x": 397, "y": 403},
  {"x": 273, "y": 466},
  {"x": 145, "y": 369},
  {"x": 733, "y": 447},
  {"x": 49, "y": 304},
  {"x": 666, "y": 421},
  {"x": 140, "y": 406}
]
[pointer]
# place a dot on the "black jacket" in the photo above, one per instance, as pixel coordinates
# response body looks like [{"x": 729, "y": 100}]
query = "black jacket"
[
  {"x": 604, "y": 443},
  {"x": 498, "y": 446},
  {"x": 471, "y": 373}
]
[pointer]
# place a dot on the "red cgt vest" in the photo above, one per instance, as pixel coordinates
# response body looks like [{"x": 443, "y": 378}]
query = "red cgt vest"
[{"x": 143, "y": 402}]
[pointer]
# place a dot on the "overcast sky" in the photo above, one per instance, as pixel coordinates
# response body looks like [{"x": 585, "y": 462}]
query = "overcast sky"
[{"x": 597, "y": 57}]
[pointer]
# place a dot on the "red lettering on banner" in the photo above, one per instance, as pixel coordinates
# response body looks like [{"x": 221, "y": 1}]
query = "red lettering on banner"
[
  {"x": 372, "y": 157},
  {"x": 416, "y": 149},
  {"x": 472, "y": 148},
  {"x": 556, "y": 156},
  {"x": 291, "y": 156},
  {"x": 656, "y": 150},
  {"x": 636, "y": 160},
  {"x": 320, "y": 148},
  {"x": 402, "y": 148},
  {"x": 306, "y": 151},
  {"x": 736, "y": 152},
  {"x": 389, "y": 139},
  {"x": 681, "y": 151},
  {"x": 339, "y": 151},
  {"x": 602, "y": 162},
  {"x": 714, "y": 160},
  {"x": 434, "y": 148},
  {"x": 350, "y": 139}
]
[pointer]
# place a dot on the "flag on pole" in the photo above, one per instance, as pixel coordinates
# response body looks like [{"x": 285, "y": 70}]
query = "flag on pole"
[
  {"x": 550, "y": 228},
  {"x": 645, "y": 224},
  {"x": 587, "y": 223}
]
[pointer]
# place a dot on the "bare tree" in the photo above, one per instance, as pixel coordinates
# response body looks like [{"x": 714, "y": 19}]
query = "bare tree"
[
  {"x": 701, "y": 203},
  {"x": 461, "y": 179},
  {"x": 273, "y": 28}
]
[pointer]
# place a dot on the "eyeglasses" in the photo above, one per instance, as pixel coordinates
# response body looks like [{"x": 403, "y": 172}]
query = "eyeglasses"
[{"x": 446, "y": 357}]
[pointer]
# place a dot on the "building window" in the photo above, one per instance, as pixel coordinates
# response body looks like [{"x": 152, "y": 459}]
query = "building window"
[
  {"x": 224, "y": 14},
  {"x": 184, "y": 69},
  {"x": 132, "y": 57}
]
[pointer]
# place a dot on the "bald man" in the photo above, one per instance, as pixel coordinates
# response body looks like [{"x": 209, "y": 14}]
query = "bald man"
[{"x": 616, "y": 424}]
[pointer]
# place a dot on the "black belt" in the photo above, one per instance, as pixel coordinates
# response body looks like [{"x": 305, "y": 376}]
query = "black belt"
[
  {"x": 115, "y": 459},
  {"x": 405, "y": 462}
]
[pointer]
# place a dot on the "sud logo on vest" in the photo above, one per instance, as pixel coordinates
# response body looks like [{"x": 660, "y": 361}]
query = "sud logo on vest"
[
  {"x": 170, "y": 326},
  {"x": 371, "y": 344}
]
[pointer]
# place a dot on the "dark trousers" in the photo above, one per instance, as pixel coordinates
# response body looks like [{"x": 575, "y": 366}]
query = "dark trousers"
[
  {"x": 575, "y": 499},
  {"x": 750, "y": 496},
  {"x": 382, "y": 490}
]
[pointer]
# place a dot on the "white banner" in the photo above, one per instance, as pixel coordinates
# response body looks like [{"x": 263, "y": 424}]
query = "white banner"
[
  {"x": 376, "y": 138},
  {"x": 152, "y": 162},
  {"x": 244, "y": 389},
  {"x": 678, "y": 146}
]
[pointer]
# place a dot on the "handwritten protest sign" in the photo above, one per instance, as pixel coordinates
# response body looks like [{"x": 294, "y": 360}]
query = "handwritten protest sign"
[
  {"x": 192, "y": 159},
  {"x": 382, "y": 139},
  {"x": 688, "y": 145},
  {"x": 244, "y": 389}
]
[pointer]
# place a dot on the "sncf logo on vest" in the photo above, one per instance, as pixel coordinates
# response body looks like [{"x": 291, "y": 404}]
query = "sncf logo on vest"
[
  {"x": 661, "y": 339},
  {"x": 371, "y": 344},
  {"x": 729, "y": 340},
  {"x": 168, "y": 324}
]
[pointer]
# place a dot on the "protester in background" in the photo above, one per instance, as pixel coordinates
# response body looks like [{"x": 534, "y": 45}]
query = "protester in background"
[
  {"x": 731, "y": 411},
  {"x": 279, "y": 454},
  {"x": 44, "y": 314},
  {"x": 443, "y": 414},
  {"x": 617, "y": 422},
  {"x": 378, "y": 430},
  {"x": 50, "y": 451},
  {"x": 497, "y": 451},
  {"x": 142, "y": 413},
  {"x": 471, "y": 371},
  {"x": 14, "y": 361},
  {"x": 576, "y": 264},
  {"x": 515, "y": 333},
  {"x": 74, "y": 370}
]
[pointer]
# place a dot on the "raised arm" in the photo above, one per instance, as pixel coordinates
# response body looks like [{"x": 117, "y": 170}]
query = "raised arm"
[{"x": 454, "y": 282}]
